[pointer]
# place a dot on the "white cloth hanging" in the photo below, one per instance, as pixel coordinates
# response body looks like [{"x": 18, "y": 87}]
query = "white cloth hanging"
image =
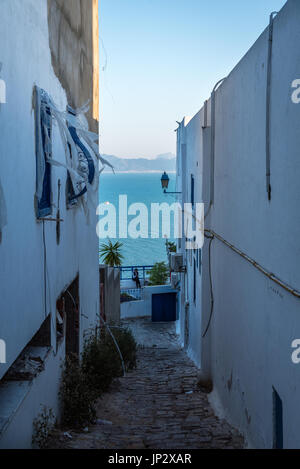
[{"x": 75, "y": 162}]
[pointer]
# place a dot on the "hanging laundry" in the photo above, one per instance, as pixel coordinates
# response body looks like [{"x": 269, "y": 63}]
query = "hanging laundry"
[{"x": 82, "y": 157}]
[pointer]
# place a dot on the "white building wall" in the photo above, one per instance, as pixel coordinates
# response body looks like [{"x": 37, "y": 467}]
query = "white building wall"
[
  {"x": 26, "y": 60},
  {"x": 44, "y": 390},
  {"x": 193, "y": 167},
  {"x": 143, "y": 308},
  {"x": 247, "y": 351}
]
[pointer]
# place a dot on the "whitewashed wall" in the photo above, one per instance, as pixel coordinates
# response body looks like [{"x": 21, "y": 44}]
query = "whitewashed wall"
[
  {"x": 143, "y": 307},
  {"x": 248, "y": 348},
  {"x": 26, "y": 60},
  {"x": 190, "y": 164}
]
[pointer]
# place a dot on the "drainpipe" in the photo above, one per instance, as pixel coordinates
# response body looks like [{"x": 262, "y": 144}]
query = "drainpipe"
[
  {"x": 212, "y": 153},
  {"x": 268, "y": 106}
]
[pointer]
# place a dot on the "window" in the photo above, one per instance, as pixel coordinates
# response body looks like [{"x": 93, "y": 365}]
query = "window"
[
  {"x": 72, "y": 317},
  {"x": 43, "y": 140},
  {"x": 192, "y": 190},
  {"x": 43, "y": 336},
  {"x": 68, "y": 319}
]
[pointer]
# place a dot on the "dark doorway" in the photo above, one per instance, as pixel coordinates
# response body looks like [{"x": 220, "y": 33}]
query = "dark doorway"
[
  {"x": 71, "y": 304},
  {"x": 164, "y": 307},
  {"x": 277, "y": 421}
]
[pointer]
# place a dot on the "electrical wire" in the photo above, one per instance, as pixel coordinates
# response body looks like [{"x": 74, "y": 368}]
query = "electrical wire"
[
  {"x": 116, "y": 344},
  {"x": 104, "y": 67},
  {"x": 209, "y": 234},
  {"x": 271, "y": 276},
  {"x": 268, "y": 106},
  {"x": 72, "y": 298},
  {"x": 211, "y": 238},
  {"x": 212, "y": 144}
]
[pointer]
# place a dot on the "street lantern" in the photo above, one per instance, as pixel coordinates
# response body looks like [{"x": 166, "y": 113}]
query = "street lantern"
[{"x": 165, "y": 181}]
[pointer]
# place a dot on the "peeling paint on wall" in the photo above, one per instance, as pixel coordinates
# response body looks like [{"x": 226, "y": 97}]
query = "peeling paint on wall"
[
  {"x": 96, "y": 63},
  {"x": 74, "y": 45}
]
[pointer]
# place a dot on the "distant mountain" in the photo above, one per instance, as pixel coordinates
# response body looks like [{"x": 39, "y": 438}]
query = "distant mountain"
[
  {"x": 163, "y": 162},
  {"x": 166, "y": 156}
]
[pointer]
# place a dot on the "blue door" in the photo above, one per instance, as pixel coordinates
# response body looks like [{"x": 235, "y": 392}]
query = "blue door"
[{"x": 164, "y": 307}]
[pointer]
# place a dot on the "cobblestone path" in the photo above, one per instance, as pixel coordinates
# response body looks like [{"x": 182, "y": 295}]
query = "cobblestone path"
[{"x": 159, "y": 405}]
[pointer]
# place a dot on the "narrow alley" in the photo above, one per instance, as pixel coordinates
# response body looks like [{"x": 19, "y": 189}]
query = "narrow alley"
[{"x": 159, "y": 405}]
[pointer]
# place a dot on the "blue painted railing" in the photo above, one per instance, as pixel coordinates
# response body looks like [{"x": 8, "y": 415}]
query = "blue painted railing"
[{"x": 126, "y": 272}]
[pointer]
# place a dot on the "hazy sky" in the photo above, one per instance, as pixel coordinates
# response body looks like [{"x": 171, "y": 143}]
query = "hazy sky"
[{"x": 161, "y": 60}]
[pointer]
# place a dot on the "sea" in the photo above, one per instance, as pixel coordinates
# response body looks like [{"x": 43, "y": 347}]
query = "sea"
[{"x": 140, "y": 188}]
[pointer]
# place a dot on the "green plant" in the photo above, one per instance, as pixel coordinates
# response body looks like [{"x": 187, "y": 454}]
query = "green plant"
[
  {"x": 128, "y": 346},
  {"x": 83, "y": 383},
  {"x": 101, "y": 362},
  {"x": 43, "y": 426},
  {"x": 159, "y": 274},
  {"x": 125, "y": 297},
  {"x": 78, "y": 399},
  {"x": 111, "y": 254},
  {"x": 171, "y": 247}
]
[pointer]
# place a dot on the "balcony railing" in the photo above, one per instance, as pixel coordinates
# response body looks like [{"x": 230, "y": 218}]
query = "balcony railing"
[{"x": 126, "y": 272}]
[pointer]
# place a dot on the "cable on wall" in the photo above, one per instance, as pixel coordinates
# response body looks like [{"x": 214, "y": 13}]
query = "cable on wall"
[
  {"x": 211, "y": 238},
  {"x": 270, "y": 275},
  {"x": 211, "y": 235},
  {"x": 268, "y": 106},
  {"x": 212, "y": 143}
]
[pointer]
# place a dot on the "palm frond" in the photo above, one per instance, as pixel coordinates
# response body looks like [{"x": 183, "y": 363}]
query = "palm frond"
[{"x": 110, "y": 253}]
